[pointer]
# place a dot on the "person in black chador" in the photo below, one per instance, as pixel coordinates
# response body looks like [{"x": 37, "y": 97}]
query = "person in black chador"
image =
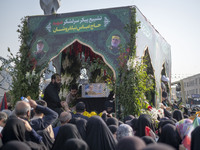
[{"x": 51, "y": 94}]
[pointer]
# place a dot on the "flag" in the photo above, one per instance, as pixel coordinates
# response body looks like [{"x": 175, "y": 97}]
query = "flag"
[{"x": 3, "y": 104}]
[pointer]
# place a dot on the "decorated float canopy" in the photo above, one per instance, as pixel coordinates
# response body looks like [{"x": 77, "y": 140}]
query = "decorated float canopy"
[{"x": 103, "y": 31}]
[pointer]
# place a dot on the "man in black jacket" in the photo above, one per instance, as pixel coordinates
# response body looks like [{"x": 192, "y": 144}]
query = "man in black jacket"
[{"x": 51, "y": 94}]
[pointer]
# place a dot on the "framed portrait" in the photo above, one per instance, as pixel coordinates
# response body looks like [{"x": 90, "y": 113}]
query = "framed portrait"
[{"x": 95, "y": 90}]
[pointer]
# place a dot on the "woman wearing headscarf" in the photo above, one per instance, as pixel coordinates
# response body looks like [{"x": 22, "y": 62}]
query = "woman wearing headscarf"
[
  {"x": 130, "y": 143},
  {"x": 162, "y": 123},
  {"x": 158, "y": 146},
  {"x": 178, "y": 115},
  {"x": 98, "y": 135},
  {"x": 65, "y": 132},
  {"x": 112, "y": 121},
  {"x": 15, "y": 145},
  {"x": 15, "y": 129},
  {"x": 143, "y": 121},
  {"x": 75, "y": 144},
  {"x": 123, "y": 131},
  {"x": 148, "y": 140},
  {"x": 113, "y": 129},
  {"x": 81, "y": 126},
  {"x": 46, "y": 138},
  {"x": 195, "y": 138},
  {"x": 169, "y": 136},
  {"x": 184, "y": 129}
]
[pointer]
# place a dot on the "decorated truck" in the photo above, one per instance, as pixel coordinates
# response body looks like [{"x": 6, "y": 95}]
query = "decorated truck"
[{"x": 97, "y": 34}]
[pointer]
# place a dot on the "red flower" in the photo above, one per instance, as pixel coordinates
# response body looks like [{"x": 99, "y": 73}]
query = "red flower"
[{"x": 149, "y": 108}]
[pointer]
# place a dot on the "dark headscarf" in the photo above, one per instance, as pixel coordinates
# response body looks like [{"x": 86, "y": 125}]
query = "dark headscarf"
[
  {"x": 65, "y": 132},
  {"x": 15, "y": 130},
  {"x": 148, "y": 140},
  {"x": 113, "y": 128},
  {"x": 195, "y": 140},
  {"x": 144, "y": 120},
  {"x": 178, "y": 115},
  {"x": 130, "y": 143},
  {"x": 169, "y": 136},
  {"x": 163, "y": 123},
  {"x": 112, "y": 121},
  {"x": 81, "y": 126},
  {"x": 98, "y": 135},
  {"x": 129, "y": 117},
  {"x": 167, "y": 113},
  {"x": 158, "y": 146},
  {"x": 47, "y": 140},
  {"x": 75, "y": 144},
  {"x": 134, "y": 124},
  {"x": 15, "y": 145}
]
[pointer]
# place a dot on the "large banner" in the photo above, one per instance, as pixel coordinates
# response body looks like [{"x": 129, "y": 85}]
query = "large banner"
[{"x": 101, "y": 30}]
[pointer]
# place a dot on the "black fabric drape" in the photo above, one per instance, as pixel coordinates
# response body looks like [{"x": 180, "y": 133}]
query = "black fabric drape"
[
  {"x": 48, "y": 141},
  {"x": 158, "y": 146},
  {"x": 81, "y": 126},
  {"x": 15, "y": 145},
  {"x": 178, "y": 115},
  {"x": 65, "y": 132},
  {"x": 169, "y": 136},
  {"x": 195, "y": 139},
  {"x": 98, "y": 135},
  {"x": 144, "y": 120},
  {"x": 130, "y": 143},
  {"x": 75, "y": 144},
  {"x": 15, "y": 130},
  {"x": 112, "y": 121}
]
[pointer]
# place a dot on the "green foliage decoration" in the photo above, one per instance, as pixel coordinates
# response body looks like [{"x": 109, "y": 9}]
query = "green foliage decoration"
[
  {"x": 25, "y": 78},
  {"x": 133, "y": 81}
]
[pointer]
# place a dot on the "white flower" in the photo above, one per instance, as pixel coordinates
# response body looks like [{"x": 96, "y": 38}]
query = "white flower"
[
  {"x": 33, "y": 72},
  {"x": 27, "y": 74}
]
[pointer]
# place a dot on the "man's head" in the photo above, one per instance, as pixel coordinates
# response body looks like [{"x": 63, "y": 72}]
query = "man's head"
[
  {"x": 164, "y": 95},
  {"x": 3, "y": 118},
  {"x": 65, "y": 117},
  {"x": 74, "y": 89},
  {"x": 56, "y": 80},
  {"x": 80, "y": 107},
  {"x": 40, "y": 45},
  {"x": 23, "y": 109},
  {"x": 42, "y": 103},
  {"x": 115, "y": 41}
]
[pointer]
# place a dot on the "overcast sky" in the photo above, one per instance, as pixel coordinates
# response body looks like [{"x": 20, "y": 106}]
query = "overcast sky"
[{"x": 177, "y": 21}]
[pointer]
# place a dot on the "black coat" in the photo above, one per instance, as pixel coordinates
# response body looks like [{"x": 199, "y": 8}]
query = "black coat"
[{"x": 51, "y": 96}]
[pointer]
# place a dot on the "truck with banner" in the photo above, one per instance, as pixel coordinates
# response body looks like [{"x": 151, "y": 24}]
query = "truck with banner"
[{"x": 103, "y": 33}]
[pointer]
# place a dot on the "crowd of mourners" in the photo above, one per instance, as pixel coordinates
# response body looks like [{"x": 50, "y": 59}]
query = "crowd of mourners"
[
  {"x": 54, "y": 125},
  {"x": 34, "y": 126}
]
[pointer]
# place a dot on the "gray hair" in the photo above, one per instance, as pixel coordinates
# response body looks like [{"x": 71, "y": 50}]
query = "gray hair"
[
  {"x": 3, "y": 116},
  {"x": 65, "y": 117},
  {"x": 21, "y": 108},
  {"x": 123, "y": 131}
]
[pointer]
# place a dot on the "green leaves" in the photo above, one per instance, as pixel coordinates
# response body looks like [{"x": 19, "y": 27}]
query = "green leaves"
[
  {"x": 132, "y": 82},
  {"x": 23, "y": 85}
]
